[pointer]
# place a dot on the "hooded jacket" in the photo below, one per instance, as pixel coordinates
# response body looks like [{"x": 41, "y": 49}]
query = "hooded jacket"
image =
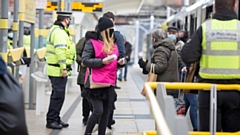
[{"x": 166, "y": 62}]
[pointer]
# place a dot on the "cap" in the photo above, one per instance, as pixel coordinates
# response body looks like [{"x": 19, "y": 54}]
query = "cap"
[
  {"x": 104, "y": 23},
  {"x": 175, "y": 29},
  {"x": 64, "y": 13}
]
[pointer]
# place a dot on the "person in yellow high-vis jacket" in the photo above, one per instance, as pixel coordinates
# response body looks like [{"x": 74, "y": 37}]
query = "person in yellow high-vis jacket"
[
  {"x": 10, "y": 39},
  {"x": 71, "y": 52},
  {"x": 216, "y": 46},
  {"x": 57, "y": 48}
]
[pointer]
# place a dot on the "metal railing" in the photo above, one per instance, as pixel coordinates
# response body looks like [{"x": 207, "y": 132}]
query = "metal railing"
[
  {"x": 161, "y": 123},
  {"x": 157, "y": 113}
]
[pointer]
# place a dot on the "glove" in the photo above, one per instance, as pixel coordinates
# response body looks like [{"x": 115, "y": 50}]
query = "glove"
[
  {"x": 144, "y": 71},
  {"x": 142, "y": 63}
]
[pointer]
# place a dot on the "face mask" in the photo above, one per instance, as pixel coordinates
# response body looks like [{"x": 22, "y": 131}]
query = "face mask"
[
  {"x": 68, "y": 23},
  {"x": 111, "y": 31},
  {"x": 10, "y": 35},
  {"x": 173, "y": 37}
]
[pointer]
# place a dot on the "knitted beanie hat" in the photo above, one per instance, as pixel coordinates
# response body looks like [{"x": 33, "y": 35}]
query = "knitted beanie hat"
[{"x": 104, "y": 23}]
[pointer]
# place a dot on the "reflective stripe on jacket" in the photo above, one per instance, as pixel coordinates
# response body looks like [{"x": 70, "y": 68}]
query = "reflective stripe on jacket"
[
  {"x": 56, "y": 50},
  {"x": 220, "y": 50}
]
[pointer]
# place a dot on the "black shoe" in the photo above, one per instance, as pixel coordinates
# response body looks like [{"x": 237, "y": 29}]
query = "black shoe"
[
  {"x": 116, "y": 87},
  {"x": 120, "y": 79},
  {"x": 125, "y": 79},
  {"x": 63, "y": 124},
  {"x": 54, "y": 125}
]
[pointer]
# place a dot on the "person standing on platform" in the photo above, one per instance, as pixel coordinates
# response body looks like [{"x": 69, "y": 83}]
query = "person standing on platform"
[
  {"x": 10, "y": 39},
  {"x": 215, "y": 45},
  {"x": 100, "y": 56},
  {"x": 80, "y": 80},
  {"x": 57, "y": 42},
  {"x": 128, "y": 50}
]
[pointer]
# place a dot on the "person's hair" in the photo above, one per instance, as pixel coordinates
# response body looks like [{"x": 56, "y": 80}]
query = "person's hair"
[
  {"x": 109, "y": 15},
  {"x": 159, "y": 34},
  {"x": 108, "y": 41},
  {"x": 61, "y": 18},
  {"x": 224, "y": 4}
]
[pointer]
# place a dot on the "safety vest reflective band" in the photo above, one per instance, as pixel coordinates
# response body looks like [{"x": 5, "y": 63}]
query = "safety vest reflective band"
[{"x": 220, "y": 50}]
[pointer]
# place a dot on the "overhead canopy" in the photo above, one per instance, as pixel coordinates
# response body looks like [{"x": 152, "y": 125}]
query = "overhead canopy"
[{"x": 122, "y": 6}]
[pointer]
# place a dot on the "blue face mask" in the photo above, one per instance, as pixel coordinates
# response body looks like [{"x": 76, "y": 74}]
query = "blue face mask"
[
  {"x": 173, "y": 37},
  {"x": 10, "y": 35}
]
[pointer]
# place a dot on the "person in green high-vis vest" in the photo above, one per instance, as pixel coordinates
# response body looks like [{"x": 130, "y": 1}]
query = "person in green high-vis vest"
[
  {"x": 216, "y": 46},
  {"x": 57, "y": 67}
]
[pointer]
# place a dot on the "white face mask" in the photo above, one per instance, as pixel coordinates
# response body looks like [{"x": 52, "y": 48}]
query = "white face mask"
[
  {"x": 172, "y": 36},
  {"x": 10, "y": 35}
]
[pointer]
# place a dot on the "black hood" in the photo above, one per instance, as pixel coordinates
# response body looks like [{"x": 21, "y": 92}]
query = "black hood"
[
  {"x": 92, "y": 34},
  {"x": 225, "y": 14},
  {"x": 96, "y": 35}
]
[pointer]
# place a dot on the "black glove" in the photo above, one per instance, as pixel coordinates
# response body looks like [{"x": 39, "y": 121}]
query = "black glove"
[
  {"x": 144, "y": 71},
  {"x": 142, "y": 63}
]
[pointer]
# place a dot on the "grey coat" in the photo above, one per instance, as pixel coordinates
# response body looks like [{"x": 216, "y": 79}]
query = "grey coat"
[{"x": 166, "y": 61}]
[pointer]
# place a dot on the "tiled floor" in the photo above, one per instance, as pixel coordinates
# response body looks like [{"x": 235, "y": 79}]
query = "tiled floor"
[{"x": 132, "y": 112}]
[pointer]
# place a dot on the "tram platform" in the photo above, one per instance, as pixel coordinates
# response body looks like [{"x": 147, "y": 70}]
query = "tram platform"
[{"x": 132, "y": 114}]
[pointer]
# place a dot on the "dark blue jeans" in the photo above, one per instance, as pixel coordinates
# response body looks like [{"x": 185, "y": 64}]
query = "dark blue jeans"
[
  {"x": 57, "y": 98},
  {"x": 100, "y": 114},
  {"x": 125, "y": 71},
  {"x": 191, "y": 101}
]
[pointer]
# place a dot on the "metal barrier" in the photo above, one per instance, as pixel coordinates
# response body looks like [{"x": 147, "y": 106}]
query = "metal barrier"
[
  {"x": 161, "y": 123},
  {"x": 170, "y": 124}
]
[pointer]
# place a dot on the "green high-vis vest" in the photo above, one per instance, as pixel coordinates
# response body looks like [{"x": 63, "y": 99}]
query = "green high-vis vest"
[{"x": 220, "y": 50}]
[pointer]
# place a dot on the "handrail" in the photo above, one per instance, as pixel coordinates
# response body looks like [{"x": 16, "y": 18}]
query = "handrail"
[
  {"x": 218, "y": 133},
  {"x": 195, "y": 86},
  {"x": 157, "y": 113},
  {"x": 178, "y": 85}
]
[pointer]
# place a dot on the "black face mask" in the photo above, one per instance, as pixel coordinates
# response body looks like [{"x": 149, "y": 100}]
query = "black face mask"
[
  {"x": 111, "y": 31},
  {"x": 68, "y": 24}
]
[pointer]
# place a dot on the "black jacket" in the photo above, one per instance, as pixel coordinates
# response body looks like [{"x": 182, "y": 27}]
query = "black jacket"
[
  {"x": 192, "y": 50},
  {"x": 128, "y": 48}
]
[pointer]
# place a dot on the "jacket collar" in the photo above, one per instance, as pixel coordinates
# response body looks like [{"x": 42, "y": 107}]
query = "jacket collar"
[
  {"x": 59, "y": 24},
  {"x": 224, "y": 15}
]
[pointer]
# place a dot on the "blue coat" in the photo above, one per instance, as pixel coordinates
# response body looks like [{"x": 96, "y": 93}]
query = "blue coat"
[
  {"x": 3, "y": 68},
  {"x": 120, "y": 44}
]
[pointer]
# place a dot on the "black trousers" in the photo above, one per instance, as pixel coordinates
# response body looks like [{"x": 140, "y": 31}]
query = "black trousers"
[
  {"x": 86, "y": 105},
  {"x": 56, "y": 99},
  {"x": 228, "y": 111},
  {"x": 99, "y": 114}
]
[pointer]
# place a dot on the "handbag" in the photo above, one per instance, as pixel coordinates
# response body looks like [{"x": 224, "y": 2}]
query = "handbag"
[
  {"x": 152, "y": 77},
  {"x": 95, "y": 85}
]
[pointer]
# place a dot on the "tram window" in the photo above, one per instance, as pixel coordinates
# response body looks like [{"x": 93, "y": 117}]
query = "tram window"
[
  {"x": 186, "y": 24},
  {"x": 191, "y": 24},
  {"x": 195, "y": 23},
  {"x": 209, "y": 11}
]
